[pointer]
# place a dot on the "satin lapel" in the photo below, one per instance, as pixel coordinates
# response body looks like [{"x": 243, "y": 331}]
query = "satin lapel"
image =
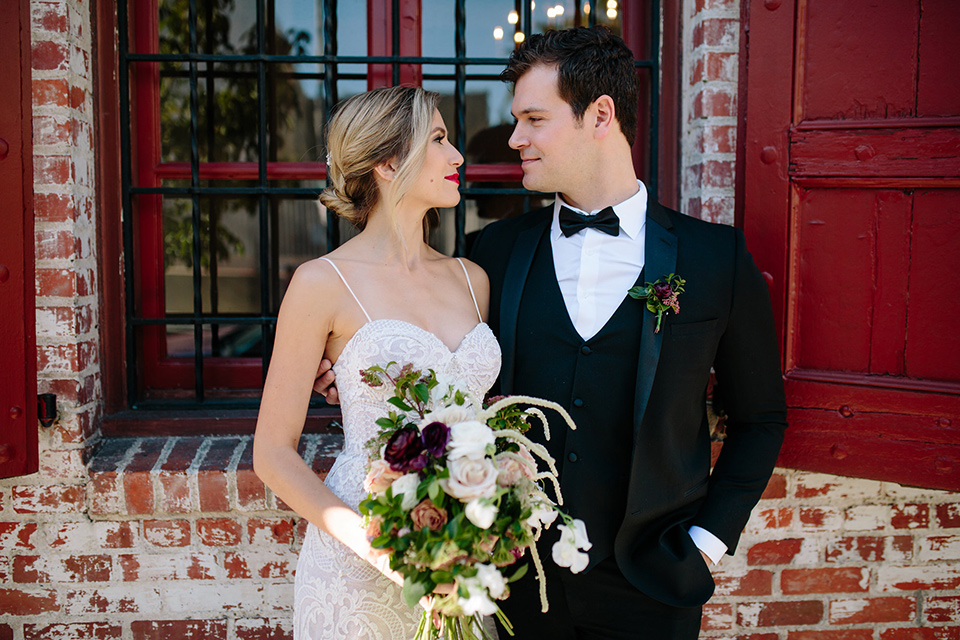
[
  {"x": 514, "y": 280},
  {"x": 660, "y": 260}
]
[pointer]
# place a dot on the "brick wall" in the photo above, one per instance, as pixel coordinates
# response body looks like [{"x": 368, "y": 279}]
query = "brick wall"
[
  {"x": 156, "y": 538},
  {"x": 711, "y": 41}
]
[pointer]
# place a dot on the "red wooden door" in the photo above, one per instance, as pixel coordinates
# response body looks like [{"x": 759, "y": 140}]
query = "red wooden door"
[
  {"x": 18, "y": 357},
  {"x": 850, "y": 149}
]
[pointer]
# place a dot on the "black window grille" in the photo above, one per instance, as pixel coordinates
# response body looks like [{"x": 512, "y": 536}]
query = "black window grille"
[{"x": 204, "y": 141}]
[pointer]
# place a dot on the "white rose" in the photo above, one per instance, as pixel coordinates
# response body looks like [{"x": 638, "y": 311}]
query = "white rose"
[
  {"x": 491, "y": 579},
  {"x": 450, "y": 415},
  {"x": 470, "y": 479},
  {"x": 469, "y": 440},
  {"x": 480, "y": 513},
  {"x": 406, "y": 486},
  {"x": 478, "y": 601}
]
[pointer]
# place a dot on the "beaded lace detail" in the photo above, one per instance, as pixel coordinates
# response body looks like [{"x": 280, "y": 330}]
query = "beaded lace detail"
[{"x": 339, "y": 596}]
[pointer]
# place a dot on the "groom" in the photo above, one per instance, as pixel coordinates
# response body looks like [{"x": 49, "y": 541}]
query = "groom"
[{"x": 637, "y": 469}]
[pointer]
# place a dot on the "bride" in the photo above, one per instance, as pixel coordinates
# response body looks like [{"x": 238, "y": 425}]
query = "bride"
[{"x": 385, "y": 295}]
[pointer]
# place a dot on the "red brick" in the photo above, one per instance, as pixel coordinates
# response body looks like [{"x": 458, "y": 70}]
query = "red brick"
[
  {"x": 50, "y": 56},
  {"x": 52, "y": 169},
  {"x": 49, "y": 17},
  {"x": 723, "y": 139},
  {"x": 236, "y": 566},
  {"x": 251, "y": 494},
  {"x": 270, "y": 531},
  {"x": 50, "y": 130},
  {"x": 938, "y": 633},
  {"x": 213, "y": 491},
  {"x": 717, "y": 174},
  {"x": 74, "y": 631},
  {"x": 219, "y": 532},
  {"x": 714, "y": 102},
  {"x": 716, "y": 32},
  {"x": 774, "y": 551},
  {"x": 105, "y": 497},
  {"x": 713, "y": 4},
  {"x": 752, "y": 583},
  {"x": 866, "y": 548},
  {"x": 948, "y": 515},
  {"x": 919, "y": 577},
  {"x": 839, "y": 634},
  {"x": 167, "y": 533},
  {"x": 263, "y": 629},
  {"x": 52, "y": 92},
  {"x": 180, "y": 629},
  {"x": 873, "y": 610},
  {"x": 122, "y": 536},
  {"x": 77, "y": 96},
  {"x": 15, "y": 602},
  {"x": 175, "y": 495},
  {"x": 182, "y": 455},
  {"x": 839, "y": 580},
  {"x": 56, "y": 282},
  {"x": 91, "y": 568},
  {"x": 6, "y": 631},
  {"x": 779, "y": 518},
  {"x": 782, "y": 613},
  {"x": 19, "y": 534},
  {"x": 716, "y": 616},
  {"x": 49, "y": 498},
  {"x": 138, "y": 491},
  {"x": 29, "y": 569},
  {"x": 910, "y": 516},
  {"x": 129, "y": 567},
  {"x": 941, "y": 608}
]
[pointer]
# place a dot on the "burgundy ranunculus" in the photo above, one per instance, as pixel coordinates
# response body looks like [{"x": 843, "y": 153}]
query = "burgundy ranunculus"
[
  {"x": 436, "y": 435},
  {"x": 662, "y": 290},
  {"x": 404, "y": 448}
]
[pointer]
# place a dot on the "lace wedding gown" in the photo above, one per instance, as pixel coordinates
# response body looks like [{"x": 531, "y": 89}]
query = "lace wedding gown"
[{"x": 338, "y": 595}]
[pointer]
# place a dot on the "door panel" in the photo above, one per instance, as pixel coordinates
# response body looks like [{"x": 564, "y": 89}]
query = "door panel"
[
  {"x": 851, "y": 162},
  {"x": 18, "y": 353}
]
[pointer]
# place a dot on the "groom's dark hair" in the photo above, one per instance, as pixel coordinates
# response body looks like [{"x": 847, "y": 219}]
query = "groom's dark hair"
[{"x": 591, "y": 62}]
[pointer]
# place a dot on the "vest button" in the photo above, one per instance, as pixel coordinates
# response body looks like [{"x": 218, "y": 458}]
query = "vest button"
[
  {"x": 572, "y": 456},
  {"x": 585, "y": 350},
  {"x": 578, "y": 403}
]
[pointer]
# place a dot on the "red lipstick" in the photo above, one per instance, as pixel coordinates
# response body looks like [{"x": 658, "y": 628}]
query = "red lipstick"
[{"x": 454, "y": 177}]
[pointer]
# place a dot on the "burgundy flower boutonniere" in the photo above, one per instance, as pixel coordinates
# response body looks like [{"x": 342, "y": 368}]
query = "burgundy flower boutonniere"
[{"x": 660, "y": 296}]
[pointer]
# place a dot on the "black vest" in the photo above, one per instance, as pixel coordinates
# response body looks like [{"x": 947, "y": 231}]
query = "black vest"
[{"x": 595, "y": 381}]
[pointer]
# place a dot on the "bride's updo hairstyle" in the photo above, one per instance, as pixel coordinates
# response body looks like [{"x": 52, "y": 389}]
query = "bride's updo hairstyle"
[{"x": 370, "y": 129}]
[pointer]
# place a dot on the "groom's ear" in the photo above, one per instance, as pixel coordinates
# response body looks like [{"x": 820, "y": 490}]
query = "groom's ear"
[{"x": 603, "y": 116}]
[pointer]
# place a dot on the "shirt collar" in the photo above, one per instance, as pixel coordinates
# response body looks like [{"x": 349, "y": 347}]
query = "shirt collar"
[{"x": 632, "y": 213}]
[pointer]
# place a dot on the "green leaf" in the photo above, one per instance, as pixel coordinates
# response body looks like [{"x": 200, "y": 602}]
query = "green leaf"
[
  {"x": 412, "y": 592},
  {"x": 399, "y": 404},
  {"x": 434, "y": 491},
  {"x": 386, "y": 423},
  {"x": 519, "y": 573},
  {"x": 421, "y": 392}
]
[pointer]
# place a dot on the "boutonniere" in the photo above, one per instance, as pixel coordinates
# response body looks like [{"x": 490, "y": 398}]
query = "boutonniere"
[{"x": 660, "y": 296}]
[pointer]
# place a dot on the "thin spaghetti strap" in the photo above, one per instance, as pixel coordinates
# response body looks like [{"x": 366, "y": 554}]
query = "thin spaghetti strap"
[
  {"x": 470, "y": 285},
  {"x": 351, "y": 290}
]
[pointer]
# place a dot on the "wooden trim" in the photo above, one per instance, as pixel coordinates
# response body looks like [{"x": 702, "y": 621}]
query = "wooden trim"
[
  {"x": 210, "y": 422},
  {"x": 671, "y": 42},
  {"x": 18, "y": 375},
  {"x": 310, "y": 171},
  {"x": 106, "y": 99}
]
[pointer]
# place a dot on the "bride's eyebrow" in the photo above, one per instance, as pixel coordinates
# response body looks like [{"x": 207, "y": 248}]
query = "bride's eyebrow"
[{"x": 440, "y": 130}]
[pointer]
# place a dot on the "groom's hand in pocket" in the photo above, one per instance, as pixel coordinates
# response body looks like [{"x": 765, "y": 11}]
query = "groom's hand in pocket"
[{"x": 326, "y": 382}]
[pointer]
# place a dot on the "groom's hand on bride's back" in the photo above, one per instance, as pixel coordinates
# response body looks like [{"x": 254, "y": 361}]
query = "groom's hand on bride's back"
[{"x": 326, "y": 382}]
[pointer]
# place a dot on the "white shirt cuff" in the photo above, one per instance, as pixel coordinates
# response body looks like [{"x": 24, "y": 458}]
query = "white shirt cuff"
[{"x": 708, "y": 543}]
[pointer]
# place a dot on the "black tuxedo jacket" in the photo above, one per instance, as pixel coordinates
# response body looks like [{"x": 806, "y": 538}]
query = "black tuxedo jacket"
[{"x": 725, "y": 322}]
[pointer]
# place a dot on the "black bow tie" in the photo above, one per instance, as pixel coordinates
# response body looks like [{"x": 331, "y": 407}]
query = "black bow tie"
[{"x": 571, "y": 222}]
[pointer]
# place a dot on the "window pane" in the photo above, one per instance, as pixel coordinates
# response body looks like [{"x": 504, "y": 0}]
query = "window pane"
[
  {"x": 490, "y": 29},
  {"x": 229, "y": 263},
  {"x": 223, "y": 26}
]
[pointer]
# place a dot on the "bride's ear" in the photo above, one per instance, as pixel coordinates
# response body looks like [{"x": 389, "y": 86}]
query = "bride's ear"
[{"x": 387, "y": 170}]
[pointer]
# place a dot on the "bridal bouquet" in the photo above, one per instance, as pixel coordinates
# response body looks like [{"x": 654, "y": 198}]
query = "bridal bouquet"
[{"x": 455, "y": 496}]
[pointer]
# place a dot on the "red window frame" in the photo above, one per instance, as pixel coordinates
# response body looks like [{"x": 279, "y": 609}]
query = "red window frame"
[{"x": 155, "y": 368}]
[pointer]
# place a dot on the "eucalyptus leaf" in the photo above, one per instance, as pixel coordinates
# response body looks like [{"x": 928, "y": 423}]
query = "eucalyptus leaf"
[{"x": 412, "y": 592}]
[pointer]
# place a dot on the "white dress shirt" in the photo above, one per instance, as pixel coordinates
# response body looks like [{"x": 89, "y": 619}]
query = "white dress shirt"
[{"x": 594, "y": 271}]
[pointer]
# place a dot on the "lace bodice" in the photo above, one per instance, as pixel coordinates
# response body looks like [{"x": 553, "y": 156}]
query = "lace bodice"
[
  {"x": 339, "y": 596},
  {"x": 475, "y": 364}
]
